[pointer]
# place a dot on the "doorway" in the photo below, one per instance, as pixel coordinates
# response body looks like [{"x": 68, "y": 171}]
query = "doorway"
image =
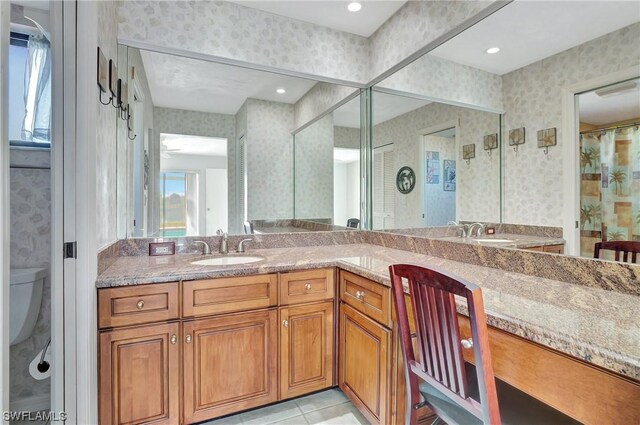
[
  {"x": 438, "y": 155},
  {"x": 609, "y": 124}
]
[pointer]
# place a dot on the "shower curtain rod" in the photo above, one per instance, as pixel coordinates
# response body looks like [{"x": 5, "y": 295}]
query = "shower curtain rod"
[{"x": 633, "y": 124}]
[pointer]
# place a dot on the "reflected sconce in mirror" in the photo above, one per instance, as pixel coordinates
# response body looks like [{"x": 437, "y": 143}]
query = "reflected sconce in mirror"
[
  {"x": 130, "y": 123},
  {"x": 516, "y": 138},
  {"x": 546, "y": 138},
  {"x": 123, "y": 98},
  {"x": 490, "y": 143},
  {"x": 468, "y": 152}
]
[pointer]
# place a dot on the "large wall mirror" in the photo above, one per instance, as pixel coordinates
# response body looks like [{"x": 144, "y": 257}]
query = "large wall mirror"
[
  {"x": 569, "y": 98},
  {"x": 209, "y": 146}
]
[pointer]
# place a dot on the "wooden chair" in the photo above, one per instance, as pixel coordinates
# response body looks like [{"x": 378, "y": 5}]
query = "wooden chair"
[
  {"x": 624, "y": 247},
  {"x": 457, "y": 392}
]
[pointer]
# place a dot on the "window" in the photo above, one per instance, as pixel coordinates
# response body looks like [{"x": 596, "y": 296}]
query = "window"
[{"x": 29, "y": 90}]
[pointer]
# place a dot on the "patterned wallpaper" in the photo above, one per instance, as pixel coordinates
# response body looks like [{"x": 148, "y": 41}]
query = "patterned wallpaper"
[
  {"x": 448, "y": 81},
  {"x": 314, "y": 170},
  {"x": 532, "y": 99},
  {"x": 318, "y": 100},
  {"x": 346, "y": 137},
  {"x": 106, "y": 143},
  {"x": 194, "y": 123},
  {"x": 269, "y": 160},
  {"x": 478, "y": 184},
  {"x": 30, "y": 246},
  {"x": 232, "y": 31},
  {"x": 413, "y": 26}
]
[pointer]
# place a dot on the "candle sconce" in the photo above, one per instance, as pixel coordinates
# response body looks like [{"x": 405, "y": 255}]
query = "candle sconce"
[
  {"x": 490, "y": 143},
  {"x": 516, "y": 138},
  {"x": 468, "y": 152},
  {"x": 547, "y": 138}
]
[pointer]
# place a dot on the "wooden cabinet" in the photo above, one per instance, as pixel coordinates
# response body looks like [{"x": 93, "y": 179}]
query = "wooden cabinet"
[
  {"x": 229, "y": 364},
  {"x": 306, "y": 286},
  {"x": 553, "y": 249},
  {"x": 306, "y": 348},
  {"x": 363, "y": 367},
  {"x": 139, "y": 375},
  {"x": 370, "y": 298}
]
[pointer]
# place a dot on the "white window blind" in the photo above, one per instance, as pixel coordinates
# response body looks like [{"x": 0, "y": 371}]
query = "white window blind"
[{"x": 384, "y": 187}]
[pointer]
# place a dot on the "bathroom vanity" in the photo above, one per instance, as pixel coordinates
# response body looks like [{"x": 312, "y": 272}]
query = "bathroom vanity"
[{"x": 181, "y": 343}]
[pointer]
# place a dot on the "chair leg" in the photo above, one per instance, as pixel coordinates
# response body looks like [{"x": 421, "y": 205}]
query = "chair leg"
[{"x": 438, "y": 421}]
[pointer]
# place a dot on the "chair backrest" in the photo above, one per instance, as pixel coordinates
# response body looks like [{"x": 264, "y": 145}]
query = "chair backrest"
[
  {"x": 624, "y": 247},
  {"x": 441, "y": 362},
  {"x": 353, "y": 223},
  {"x": 248, "y": 228}
]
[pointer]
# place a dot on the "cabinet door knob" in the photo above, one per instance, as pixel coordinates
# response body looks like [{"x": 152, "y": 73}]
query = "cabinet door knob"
[
  {"x": 467, "y": 343},
  {"x": 307, "y": 287},
  {"x": 140, "y": 304},
  {"x": 174, "y": 339},
  {"x": 187, "y": 339},
  {"x": 285, "y": 323},
  {"x": 360, "y": 295}
]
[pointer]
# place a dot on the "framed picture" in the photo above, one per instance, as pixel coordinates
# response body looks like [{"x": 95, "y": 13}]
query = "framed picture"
[
  {"x": 547, "y": 138},
  {"x": 449, "y": 180},
  {"x": 432, "y": 167},
  {"x": 468, "y": 151},
  {"x": 405, "y": 180}
]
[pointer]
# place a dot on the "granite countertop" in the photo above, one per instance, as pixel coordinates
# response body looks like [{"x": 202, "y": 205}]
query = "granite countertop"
[
  {"x": 280, "y": 229},
  {"x": 602, "y": 327},
  {"x": 516, "y": 241}
]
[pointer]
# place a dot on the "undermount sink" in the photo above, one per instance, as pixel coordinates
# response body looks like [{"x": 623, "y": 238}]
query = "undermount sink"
[
  {"x": 494, "y": 240},
  {"x": 227, "y": 261}
]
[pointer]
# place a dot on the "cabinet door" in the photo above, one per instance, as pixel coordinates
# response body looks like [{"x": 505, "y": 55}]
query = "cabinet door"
[
  {"x": 363, "y": 366},
  {"x": 230, "y": 364},
  {"x": 306, "y": 348},
  {"x": 139, "y": 375}
]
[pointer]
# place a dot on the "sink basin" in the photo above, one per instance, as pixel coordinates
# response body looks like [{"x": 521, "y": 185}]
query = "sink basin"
[
  {"x": 227, "y": 261},
  {"x": 494, "y": 240}
]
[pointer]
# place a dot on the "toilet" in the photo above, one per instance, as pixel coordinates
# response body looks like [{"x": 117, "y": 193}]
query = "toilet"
[{"x": 25, "y": 295}]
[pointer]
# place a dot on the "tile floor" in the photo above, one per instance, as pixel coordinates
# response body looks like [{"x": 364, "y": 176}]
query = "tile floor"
[{"x": 329, "y": 407}]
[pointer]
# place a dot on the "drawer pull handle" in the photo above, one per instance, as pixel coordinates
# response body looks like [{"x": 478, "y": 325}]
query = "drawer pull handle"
[
  {"x": 360, "y": 295},
  {"x": 140, "y": 304},
  {"x": 285, "y": 323},
  {"x": 187, "y": 339},
  {"x": 467, "y": 343},
  {"x": 174, "y": 339},
  {"x": 307, "y": 287}
]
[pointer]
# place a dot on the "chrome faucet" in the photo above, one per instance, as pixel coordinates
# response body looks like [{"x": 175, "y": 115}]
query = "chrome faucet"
[
  {"x": 480, "y": 230},
  {"x": 206, "y": 250},
  {"x": 464, "y": 228},
  {"x": 241, "y": 244},
  {"x": 224, "y": 243}
]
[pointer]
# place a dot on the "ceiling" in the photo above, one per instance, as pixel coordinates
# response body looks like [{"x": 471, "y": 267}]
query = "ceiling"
[
  {"x": 196, "y": 85},
  {"x": 598, "y": 110},
  {"x": 192, "y": 145},
  {"x": 332, "y": 14},
  {"x": 385, "y": 107},
  {"x": 528, "y": 31}
]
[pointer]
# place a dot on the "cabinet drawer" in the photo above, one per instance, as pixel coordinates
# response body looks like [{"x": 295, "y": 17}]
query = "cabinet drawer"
[
  {"x": 370, "y": 298},
  {"x": 214, "y": 296},
  {"x": 556, "y": 249},
  {"x": 132, "y": 305},
  {"x": 306, "y": 286}
]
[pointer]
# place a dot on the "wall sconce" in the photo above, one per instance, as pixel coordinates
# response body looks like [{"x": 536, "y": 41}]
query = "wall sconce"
[
  {"x": 103, "y": 75},
  {"x": 516, "y": 138},
  {"x": 468, "y": 152},
  {"x": 490, "y": 143},
  {"x": 547, "y": 138},
  {"x": 123, "y": 99}
]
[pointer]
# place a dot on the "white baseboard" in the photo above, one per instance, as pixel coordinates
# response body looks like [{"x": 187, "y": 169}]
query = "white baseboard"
[{"x": 34, "y": 403}]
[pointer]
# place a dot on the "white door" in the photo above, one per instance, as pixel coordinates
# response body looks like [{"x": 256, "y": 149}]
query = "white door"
[
  {"x": 384, "y": 204},
  {"x": 217, "y": 200}
]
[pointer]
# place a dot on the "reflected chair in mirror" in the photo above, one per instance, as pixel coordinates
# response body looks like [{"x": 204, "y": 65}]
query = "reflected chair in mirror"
[
  {"x": 354, "y": 223},
  {"x": 438, "y": 377},
  {"x": 248, "y": 228},
  {"x": 624, "y": 247}
]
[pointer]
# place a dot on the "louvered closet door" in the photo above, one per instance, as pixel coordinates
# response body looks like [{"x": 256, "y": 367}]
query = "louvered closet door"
[{"x": 384, "y": 187}]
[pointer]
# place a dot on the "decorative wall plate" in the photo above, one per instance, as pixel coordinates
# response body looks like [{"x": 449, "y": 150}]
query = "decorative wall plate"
[{"x": 405, "y": 180}]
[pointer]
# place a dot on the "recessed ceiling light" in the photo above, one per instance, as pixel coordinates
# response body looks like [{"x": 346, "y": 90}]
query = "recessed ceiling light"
[
  {"x": 492, "y": 50},
  {"x": 281, "y": 91},
  {"x": 354, "y": 6}
]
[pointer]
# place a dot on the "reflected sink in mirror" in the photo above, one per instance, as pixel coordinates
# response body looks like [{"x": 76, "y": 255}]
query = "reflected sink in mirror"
[
  {"x": 227, "y": 261},
  {"x": 493, "y": 240}
]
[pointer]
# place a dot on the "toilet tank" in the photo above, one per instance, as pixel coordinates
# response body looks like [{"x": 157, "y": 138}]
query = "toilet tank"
[{"x": 25, "y": 295}]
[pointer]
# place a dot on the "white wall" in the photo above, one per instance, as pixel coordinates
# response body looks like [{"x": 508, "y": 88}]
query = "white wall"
[{"x": 346, "y": 192}]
